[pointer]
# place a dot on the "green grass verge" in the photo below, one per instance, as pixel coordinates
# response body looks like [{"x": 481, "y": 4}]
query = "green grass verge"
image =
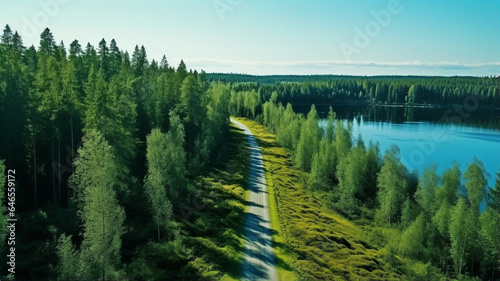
[
  {"x": 225, "y": 195},
  {"x": 210, "y": 221},
  {"x": 284, "y": 256},
  {"x": 317, "y": 243}
]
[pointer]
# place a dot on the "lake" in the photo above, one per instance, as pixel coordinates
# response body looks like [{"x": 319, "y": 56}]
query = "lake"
[{"x": 424, "y": 137}]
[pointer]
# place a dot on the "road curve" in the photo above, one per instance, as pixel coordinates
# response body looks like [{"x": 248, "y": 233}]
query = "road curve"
[{"x": 259, "y": 261}]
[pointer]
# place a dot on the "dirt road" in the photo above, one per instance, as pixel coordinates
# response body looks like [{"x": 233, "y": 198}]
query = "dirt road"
[{"x": 259, "y": 262}]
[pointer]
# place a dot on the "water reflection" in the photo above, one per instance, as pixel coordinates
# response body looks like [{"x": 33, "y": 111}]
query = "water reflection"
[
  {"x": 427, "y": 135},
  {"x": 483, "y": 118},
  {"x": 423, "y": 143}
]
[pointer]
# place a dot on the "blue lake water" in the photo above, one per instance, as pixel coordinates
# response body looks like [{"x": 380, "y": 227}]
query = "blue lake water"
[{"x": 423, "y": 143}]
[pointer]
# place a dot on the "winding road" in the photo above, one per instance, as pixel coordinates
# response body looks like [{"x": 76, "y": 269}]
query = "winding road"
[{"x": 259, "y": 261}]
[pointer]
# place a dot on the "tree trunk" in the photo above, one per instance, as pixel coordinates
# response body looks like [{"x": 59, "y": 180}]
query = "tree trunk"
[
  {"x": 34, "y": 164},
  {"x": 72, "y": 159},
  {"x": 158, "y": 225},
  {"x": 59, "y": 170},
  {"x": 463, "y": 249},
  {"x": 103, "y": 235},
  {"x": 54, "y": 193}
]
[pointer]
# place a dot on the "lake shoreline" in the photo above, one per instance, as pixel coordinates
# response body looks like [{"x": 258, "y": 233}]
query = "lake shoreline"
[
  {"x": 423, "y": 144},
  {"x": 399, "y": 105}
]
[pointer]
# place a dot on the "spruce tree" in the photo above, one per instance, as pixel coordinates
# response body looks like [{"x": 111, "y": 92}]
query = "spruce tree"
[
  {"x": 94, "y": 184},
  {"x": 176, "y": 158},
  {"x": 155, "y": 182}
]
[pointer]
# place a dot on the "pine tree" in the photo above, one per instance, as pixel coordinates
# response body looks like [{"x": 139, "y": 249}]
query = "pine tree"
[
  {"x": 110, "y": 109},
  {"x": 123, "y": 112},
  {"x": 7, "y": 36},
  {"x": 215, "y": 126},
  {"x": 115, "y": 58},
  {"x": 139, "y": 61},
  {"x": 155, "y": 182},
  {"x": 191, "y": 109},
  {"x": 176, "y": 158},
  {"x": 99, "y": 104},
  {"x": 164, "y": 64},
  {"x": 181, "y": 73},
  {"x": 75, "y": 50},
  {"x": 61, "y": 54},
  {"x": 191, "y": 100},
  {"x": 104, "y": 59},
  {"x": 90, "y": 60},
  {"x": 94, "y": 183},
  {"x": 47, "y": 44},
  {"x": 49, "y": 101}
]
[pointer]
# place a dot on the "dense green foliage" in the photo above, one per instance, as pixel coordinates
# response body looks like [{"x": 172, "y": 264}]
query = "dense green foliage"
[
  {"x": 114, "y": 145},
  {"x": 155, "y": 183},
  {"x": 470, "y": 92},
  {"x": 102, "y": 216},
  {"x": 412, "y": 215},
  {"x": 431, "y": 225},
  {"x": 322, "y": 244},
  {"x": 132, "y": 171}
]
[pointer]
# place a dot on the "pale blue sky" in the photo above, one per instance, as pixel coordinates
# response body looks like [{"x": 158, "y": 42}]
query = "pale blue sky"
[{"x": 421, "y": 37}]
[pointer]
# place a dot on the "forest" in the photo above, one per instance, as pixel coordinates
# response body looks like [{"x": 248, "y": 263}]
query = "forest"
[
  {"x": 431, "y": 223},
  {"x": 376, "y": 90},
  {"x": 113, "y": 151},
  {"x": 434, "y": 219},
  {"x": 105, "y": 145}
]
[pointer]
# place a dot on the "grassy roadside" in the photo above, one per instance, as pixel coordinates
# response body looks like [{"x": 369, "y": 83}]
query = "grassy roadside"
[
  {"x": 284, "y": 256},
  {"x": 210, "y": 224},
  {"x": 322, "y": 244},
  {"x": 217, "y": 223}
]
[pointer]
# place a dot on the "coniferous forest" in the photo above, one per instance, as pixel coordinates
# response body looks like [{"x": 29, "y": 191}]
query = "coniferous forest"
[
  {"x": 105, "y": 145},
  {"x": 128, "y": 168}
]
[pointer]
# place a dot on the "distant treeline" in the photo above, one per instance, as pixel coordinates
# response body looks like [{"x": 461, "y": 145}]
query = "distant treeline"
[{"x": 380, "y": 90}]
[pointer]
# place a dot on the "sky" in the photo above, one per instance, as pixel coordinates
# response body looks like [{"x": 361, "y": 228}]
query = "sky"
[{"x": 357, "y": 37}]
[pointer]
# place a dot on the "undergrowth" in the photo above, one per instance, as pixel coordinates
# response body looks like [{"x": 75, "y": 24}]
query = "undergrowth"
[
  {"x": 209, "y": 243},
  {"x": 324, "y": 245}
]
